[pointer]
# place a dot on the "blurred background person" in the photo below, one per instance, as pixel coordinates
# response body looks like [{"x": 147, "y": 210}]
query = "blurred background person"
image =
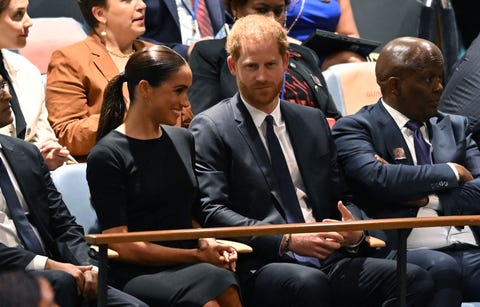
[
  {"x": 23, "y": 82},
  {"x": 180, "y": 23},
  {"x": 79, "y": 73},
  {"x": 141, "y": 178},
  {"x": 22, "y": 289},
  {"x": 304, "y": 16},
  {"x": 212, "y": 81}
]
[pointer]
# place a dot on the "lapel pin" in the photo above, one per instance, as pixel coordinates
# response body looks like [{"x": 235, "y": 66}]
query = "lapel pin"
[{"x": 399, "y": 154}]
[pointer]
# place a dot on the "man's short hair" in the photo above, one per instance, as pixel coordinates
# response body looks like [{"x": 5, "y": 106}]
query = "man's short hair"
[{"x": 257, "y": 28}]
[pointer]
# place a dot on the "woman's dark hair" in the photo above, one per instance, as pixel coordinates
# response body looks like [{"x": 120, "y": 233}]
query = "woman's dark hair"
[
  {"x": 154, "y": 64},
  {"x": 19, "y": 289},
  {"x": 230, "y": 4},
  {"x": 86, "y": 9},
  {"x": 4, "y": 4}
]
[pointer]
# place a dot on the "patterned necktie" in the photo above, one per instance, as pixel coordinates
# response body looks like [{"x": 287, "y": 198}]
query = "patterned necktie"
[
  {"x": 203, "y": 19},
  {"x": 293, "y": 213},
  {"x": 17, "y": 214},
  {"x": 422, "y": 149},
  {"x": 20, "y": 124}
]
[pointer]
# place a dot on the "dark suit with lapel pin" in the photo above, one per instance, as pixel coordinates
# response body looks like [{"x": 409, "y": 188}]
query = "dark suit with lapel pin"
[
  {"x": 382, "y": 190},
  {"x": 379, "y": 189}
]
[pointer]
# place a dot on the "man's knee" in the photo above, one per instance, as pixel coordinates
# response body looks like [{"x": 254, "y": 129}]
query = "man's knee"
[{"x": 289, "y": 285}]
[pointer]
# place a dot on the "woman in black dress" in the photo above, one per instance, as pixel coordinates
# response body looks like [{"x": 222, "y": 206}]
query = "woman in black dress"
[{"x": 141, "y": 178}]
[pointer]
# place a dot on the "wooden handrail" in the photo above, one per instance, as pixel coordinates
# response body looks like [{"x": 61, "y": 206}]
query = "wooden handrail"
[{"x": 247, "y": 231}]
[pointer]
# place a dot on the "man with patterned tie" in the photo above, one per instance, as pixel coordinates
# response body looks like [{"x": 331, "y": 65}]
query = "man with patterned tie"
[
  {"x": 37, "y": 233},
  {"x": 403, "y": 158},
  {"x": 261, "y": 160}
]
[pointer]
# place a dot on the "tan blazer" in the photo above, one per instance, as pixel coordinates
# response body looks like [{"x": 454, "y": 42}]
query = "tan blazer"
[
  {"x": 76, "y": 79},
  {"x": 30, "y": 90}
]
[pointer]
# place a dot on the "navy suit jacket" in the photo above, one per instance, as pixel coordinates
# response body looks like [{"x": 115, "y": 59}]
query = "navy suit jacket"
[
  {"x": 236, "y": 180},
  {"x": 163, "y": 25},
  {"x": 379, "y": 189},
  {"x": 62, "y": 236}
]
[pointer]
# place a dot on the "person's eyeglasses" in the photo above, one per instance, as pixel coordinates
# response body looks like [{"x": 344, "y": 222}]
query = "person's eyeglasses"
[{"x": 4, "y": 86}]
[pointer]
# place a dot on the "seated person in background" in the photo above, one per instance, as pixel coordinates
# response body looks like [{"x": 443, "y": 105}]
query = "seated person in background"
[
  {"x": 462, "y": 91},
  {"x": 176, "y": 23},
  {"x": 304, "y": 16},
  {"x": 212, "y": 80},
  {"x": 25, "y": 86},
  {"x": 22, "y": 289},
  {"x": 141, "y": 178},
  {"x": 79, "y": 73},
  {"x": 403, "y": 158},
  {"x": 37, "y": 232},
  {"x": 249, "y": 177}
]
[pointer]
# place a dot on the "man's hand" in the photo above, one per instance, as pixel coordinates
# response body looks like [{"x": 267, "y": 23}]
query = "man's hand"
[
  {"x": 319, "y": 245},
  {"x": 86, "y": 283},
  {"x": 53, "y": 153},
  {"x": 90, "y": 288},
  {"x": 463, "y": 173},
  {"x": 349, "y": 237}
]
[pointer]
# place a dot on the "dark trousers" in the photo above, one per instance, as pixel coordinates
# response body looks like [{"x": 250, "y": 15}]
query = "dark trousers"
[
  {"x": 455, "y": 272},
  {"x": 350, "y": 282},
  {"x": 66, "y": 295}
]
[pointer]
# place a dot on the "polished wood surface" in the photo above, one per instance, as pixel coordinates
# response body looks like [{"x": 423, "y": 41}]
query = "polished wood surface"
[{"x": 246, "y": 231}]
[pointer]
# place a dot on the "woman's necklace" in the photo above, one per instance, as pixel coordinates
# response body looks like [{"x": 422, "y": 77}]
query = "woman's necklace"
[
  {"x": 121, "y": 55},
  {"x": 297, "y": 17}
]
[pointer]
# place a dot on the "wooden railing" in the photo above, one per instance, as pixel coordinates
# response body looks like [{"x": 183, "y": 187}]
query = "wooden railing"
[{"x": 402, "y": 224}]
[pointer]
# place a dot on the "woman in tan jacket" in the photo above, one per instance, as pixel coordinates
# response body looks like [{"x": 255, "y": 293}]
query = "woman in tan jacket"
[{"x": 78, "y": 74}]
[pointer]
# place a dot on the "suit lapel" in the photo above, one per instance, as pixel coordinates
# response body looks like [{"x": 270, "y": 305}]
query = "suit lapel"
[
  {"x": 172, "y": 8},
  {"x": 101, "y": 58},
  {"x": 249, "y": 132},
  {"x": 396, "y": 148},
  {"x": 441, "y": 138}
]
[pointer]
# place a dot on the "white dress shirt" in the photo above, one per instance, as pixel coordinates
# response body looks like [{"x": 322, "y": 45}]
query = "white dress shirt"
[
  {"x": 430, "y": 237},
  {"x": 284, "y": 139}
]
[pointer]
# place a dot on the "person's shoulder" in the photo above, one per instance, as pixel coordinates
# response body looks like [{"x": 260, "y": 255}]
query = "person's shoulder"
[
  {"x": 17, "y": 144},
  {"x": 209, "y": 48},
  {"x": 174, "y": 131},
  {"x": 454, "y": 119},
  {"x": 18, "y": 61}
]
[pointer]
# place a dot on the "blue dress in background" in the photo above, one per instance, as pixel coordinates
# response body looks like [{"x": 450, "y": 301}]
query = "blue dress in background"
[{"x": 308, "y": 15}]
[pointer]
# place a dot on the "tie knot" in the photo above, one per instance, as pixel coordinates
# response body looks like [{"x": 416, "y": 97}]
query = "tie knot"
[
  {"x": 269, "y": 120},
  {"x": 413, "y": 125}
]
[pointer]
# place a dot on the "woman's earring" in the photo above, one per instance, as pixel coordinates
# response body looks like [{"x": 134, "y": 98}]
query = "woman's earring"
[{"x": 104, "y": 32}]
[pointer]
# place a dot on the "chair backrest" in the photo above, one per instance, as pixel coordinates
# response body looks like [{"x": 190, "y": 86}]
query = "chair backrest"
[
  {"x": 47, "y": 35},
  {"x": 352, "y": 85},
  {"x": 71, "y": 181}
]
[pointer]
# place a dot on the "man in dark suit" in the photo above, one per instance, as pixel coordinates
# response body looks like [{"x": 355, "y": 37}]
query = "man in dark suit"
[
  {"x": 163, "y": 24},
  {"x": 37, "y": 232},
  {"x": 240, "y": 187},
  {"x": 403, "y": 158}
]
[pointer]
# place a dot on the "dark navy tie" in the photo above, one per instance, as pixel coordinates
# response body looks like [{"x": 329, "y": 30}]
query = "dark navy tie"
[
  {"x": 293, "y": 213},
  {"x": 17, "y": 214},
  {"x": 422, "y": 149}
]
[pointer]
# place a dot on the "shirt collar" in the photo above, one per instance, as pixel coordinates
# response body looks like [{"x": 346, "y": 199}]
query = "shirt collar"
[
  {"x": 398, "y": 117},
  {"x": 258, "y": 116}
]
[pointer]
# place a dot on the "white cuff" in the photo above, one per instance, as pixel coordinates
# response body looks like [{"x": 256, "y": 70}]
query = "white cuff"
[{"x": 37, "y": 263}]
